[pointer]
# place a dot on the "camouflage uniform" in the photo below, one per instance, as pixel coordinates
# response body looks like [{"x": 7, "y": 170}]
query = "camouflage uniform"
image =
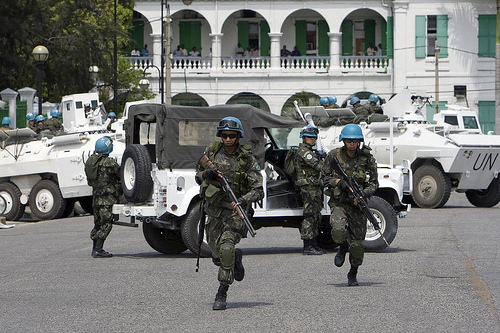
[
  {"x": 308, "y": 170},
  {"x": 31, "y": 125},
  {"x": 348, "y": 221},
  {"x": 5, "y": 128},
  {"x": 53, "y": 124},
  {"x": 105, "y": 190},
  {"x": 224, "y": 228}
]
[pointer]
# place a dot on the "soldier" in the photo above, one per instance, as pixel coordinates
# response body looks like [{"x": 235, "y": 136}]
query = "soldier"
[
  {"x": 54, "y": 124},
  {"x": 333, "y": 102},
  {"x": 358, "y": 109},
  {"x": 5, "y": 124},
  {"x": 103, "y": 174},
  {"x": 111, "y": 116},
  {"x": 39, "y": 124},
  {"x": 224, "y": 228},
  {"x": 30, "y": 118},
  {"x": 308, "y": 166},
  {"x": 347, "y": 220},
  {"x": 324, "y": 102}
]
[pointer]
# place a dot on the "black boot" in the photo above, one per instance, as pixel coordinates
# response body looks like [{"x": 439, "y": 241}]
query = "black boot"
[
  {"x": 316, "y": 246},
  {"x": 239, "y": 270},
  {"x": 94, "y": 241},
  {"x": 309, "y": 248},
  {"x": 351, "y": 277},
  {"x": 220, "y": 298},
  {"x": 98, "y": 251},
  {"x": 340, "y": 256}
]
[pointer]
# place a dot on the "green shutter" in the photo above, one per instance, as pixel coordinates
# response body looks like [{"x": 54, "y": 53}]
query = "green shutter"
[
  {"x": 390, "y": 38},
  {"x": 5, "y": 112},
  {"x": 243, "y": 32},
  {"x": 323, "y": 39},
  {"x": 300, "y": 37},
  {"x": 487, "y": 37},
  {"x": 442, "y": 35},
  {"x": 369, "y": 33},
  {"x": 420, "y": 38},
  {"x": 487, "y": 115},
  {"x": 347, "y": 38},
  {"x": 190, "y": 34},
  {"x": 383, "y": 34},
  {"x": 137, "y": 35},
  {"x": 21, "y": 111},
  {"x": 265, "y": 40}
]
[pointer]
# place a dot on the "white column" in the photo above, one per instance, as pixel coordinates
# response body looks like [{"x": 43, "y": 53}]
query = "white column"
[
  {"x": 275, "y": 50},
  {"x": 216, "y": 51},
  {"x": 28, "y": 94},
  {"x": 10, "y": 96},
  {"x": 335, "y": 47},
  {"x": 156, "y": 51},
  {"x": 400, "y": 44}
]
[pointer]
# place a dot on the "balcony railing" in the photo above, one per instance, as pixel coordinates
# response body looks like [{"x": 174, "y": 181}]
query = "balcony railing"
[{"x": 375, "y": 64}]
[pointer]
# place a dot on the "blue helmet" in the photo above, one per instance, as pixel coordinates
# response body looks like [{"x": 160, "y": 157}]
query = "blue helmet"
[
  {"x": 354, "y": 100},
  {"x": 30, "y": 116},
  {"x": 54, "y": 113},
  {"x": 309, "y": 131},
  {"x": 351, "y": 131},
  {"x": 39, "y": 118},
  {"x": 104, "y": 145},
  {"x": 6, "y": 121},
  {"x": 111, "y": 114},
  {"x": 332, "y": 99},
  {"x": 373, "y": 98},
  {"x": 230, "y": 124},
  {"x": 324, "y": 101}
]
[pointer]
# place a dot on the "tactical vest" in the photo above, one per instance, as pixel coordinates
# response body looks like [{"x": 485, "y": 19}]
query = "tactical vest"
[{"x": 237, "y": 178}]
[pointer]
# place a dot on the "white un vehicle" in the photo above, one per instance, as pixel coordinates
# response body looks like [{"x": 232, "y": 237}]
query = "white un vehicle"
[{"x": 164, "y": 144}]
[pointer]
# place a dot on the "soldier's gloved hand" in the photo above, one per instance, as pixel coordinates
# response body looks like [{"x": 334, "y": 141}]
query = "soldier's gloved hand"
[
  {"x": 320, "y": 154},
  {"x": 343, "y": 185},
  {"x": 211, "y": 174}
]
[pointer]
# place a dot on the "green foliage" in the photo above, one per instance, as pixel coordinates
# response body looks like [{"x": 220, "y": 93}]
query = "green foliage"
[
  {"x": 78, "y": 34},
  {"x": 304, "y": 98}
]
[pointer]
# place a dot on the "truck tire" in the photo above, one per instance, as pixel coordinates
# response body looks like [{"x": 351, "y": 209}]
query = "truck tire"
[
  {"x": 14, "y": 210},
  {"x": 46, "y": 201},
  {"x": 163, "y": 240},
  {"x": 431, "y": 187},
  {"x": 70, "y": 207},
  {"x": 189, "y": 231},
  {"x": 386, "y": 217},
  {"x": 485, "y": 198},
  {"x": 135, "y": 174}
]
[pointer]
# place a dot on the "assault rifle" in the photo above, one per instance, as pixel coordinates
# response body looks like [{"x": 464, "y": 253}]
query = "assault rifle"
[
  {"x": 358, "y": 195},
  {"x": 201, "y": 232},
  {"x": 205, "y": 163}
]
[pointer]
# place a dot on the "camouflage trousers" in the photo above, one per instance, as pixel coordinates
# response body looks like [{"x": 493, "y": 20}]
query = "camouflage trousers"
[
  {"x": 223, "y": 233},
  {"x": 103, "y": 222},
  {"x": 349, "y": 224},
  {"x": 312, "y": 197}
]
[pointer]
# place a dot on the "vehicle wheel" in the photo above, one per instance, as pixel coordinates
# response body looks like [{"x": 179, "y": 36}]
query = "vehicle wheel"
[
  {"x": 70, "y": 207},
  {"x": 163, "y": 240},
  {"x": 135, "y": 173},
  {"x": 14, "y": 210},
  {"x": 388, "y": 221},
  {"x": 3, "y": 205},
  {"x": 485, "y": 198},
  {"x": 86, "y": 205},
  {"x": 431, "y": 187},
  {"x": 46, "y": 201},
  {"x": 190, "y": 230}
]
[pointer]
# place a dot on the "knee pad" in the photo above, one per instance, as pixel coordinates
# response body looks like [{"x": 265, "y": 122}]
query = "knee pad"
[
  {"x": 356, "y": 249},
  {"x": 339, "y": 234},
  {"x": 226, "y": 255}
]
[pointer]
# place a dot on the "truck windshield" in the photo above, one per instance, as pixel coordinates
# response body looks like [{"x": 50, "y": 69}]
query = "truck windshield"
[
  {"x": 286, "y": 137},
  {"x": 470, "y": 122}
]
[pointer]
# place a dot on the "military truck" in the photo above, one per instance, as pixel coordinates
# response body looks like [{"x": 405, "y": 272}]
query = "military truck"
[
  {"x": 46, "y": 171},
  {"x": 163, "y": 145},
  {"x": 450, "y": 154}
]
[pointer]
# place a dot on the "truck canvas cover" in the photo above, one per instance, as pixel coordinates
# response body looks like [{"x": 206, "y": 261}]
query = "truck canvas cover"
[{"x": 183, "y": 132}]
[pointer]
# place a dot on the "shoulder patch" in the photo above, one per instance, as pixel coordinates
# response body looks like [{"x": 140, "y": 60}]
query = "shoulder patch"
[{"x": 309, "y": 156}]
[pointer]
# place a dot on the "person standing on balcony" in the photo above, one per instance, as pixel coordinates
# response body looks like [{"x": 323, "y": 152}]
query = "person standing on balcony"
[
  {"x": 379, "y": 50},
  {"x": 284, "y": 52},
  {"x": 135, "y": 53},
  {"x": 239, "y": 52},
  {"x": 178, "y": 52},
  {"x": 370, "y": 51},
  {"x": 194, "y": 52},
  {"x": 184, "y": 51},
  {"x": 296, "y": 52},
  {"x": 145, "y": 52}
]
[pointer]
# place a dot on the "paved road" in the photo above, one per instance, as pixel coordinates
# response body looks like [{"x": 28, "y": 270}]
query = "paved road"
[{"x": 441, "y": 274}]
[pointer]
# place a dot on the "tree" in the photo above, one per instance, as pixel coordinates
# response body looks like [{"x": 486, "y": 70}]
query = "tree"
[{"x": 78, "y": 34}]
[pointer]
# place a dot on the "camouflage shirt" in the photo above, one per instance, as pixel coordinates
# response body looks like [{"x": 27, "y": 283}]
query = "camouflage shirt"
[
  {"x": 308, "y": 166},
  {"x": 106, "y": 188},
  {"x": 53, "y": 124}
]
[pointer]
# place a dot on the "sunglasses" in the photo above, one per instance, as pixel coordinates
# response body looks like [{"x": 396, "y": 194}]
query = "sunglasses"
[
  {"x": 351, "y": 140},
  {"x": 231, "y": 136}
]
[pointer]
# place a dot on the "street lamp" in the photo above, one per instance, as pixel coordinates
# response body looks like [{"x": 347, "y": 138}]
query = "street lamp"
[
  {"x": 40, "y": 54},
  {"x": 144, "y": 83}
]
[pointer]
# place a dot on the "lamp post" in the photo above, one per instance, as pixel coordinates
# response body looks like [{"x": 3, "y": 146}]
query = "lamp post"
[
  {"x": 144, "y": 83},
  {"x": 40, "y": 54}
]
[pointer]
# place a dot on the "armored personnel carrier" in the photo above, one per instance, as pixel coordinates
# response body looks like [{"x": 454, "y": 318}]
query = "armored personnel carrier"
[
  {"x": 46, "y": 171},
  {"x": 451, "y": 154}
]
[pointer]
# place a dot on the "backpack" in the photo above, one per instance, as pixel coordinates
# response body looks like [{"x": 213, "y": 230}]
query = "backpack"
[
  {"x": 91, "y": 169},
  {"x": 290, "y": 161}
]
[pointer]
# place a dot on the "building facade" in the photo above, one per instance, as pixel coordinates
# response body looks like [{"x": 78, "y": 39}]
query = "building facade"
[{"x": 322, "y": 48}]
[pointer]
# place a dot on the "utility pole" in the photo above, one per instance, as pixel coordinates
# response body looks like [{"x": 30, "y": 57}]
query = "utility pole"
[
  {"x": 436, "y": 56},
  {"x": 168, "y": 60}
]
